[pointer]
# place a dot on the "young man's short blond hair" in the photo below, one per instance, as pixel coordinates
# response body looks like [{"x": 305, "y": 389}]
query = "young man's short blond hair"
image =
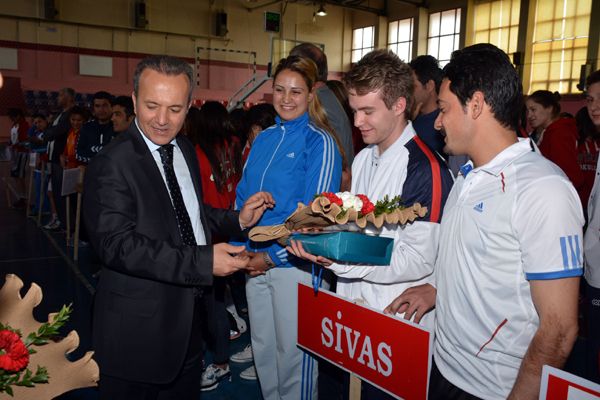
[{"x": 382, "y": 70}]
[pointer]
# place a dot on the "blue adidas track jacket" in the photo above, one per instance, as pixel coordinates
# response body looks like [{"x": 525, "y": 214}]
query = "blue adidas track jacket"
[{"x": 293, "y": 160}]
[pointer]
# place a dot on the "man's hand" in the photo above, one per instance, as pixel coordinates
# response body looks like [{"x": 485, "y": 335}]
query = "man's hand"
[
  {"x": 254, "y": 208},
  {"x": 257, "y": 265},
  {"x": 296, "y": 249},
  {"x": 227, "y": 259},
  {"x": 417, "y": 301}
]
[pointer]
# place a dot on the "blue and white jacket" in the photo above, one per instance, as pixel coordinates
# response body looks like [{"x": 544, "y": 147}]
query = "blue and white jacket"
[{"x": 293, "y": 160}]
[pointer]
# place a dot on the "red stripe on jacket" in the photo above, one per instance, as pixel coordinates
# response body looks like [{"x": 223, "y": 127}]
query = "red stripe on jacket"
[{"x": 436, "y": 194}]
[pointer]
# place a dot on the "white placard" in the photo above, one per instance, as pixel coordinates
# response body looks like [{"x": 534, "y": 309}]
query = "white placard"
[
  {"x": 70, "y": 181},
  {"x": 33, "y": 157}
]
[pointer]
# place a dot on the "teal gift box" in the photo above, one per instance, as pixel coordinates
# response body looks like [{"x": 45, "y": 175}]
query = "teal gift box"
[{"x": 348, "y": 246}]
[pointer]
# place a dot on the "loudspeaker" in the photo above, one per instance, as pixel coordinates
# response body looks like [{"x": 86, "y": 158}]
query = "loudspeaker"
[
  {"x": 140, "y": 15},
  {"x": 584, "y": 72},
  {"x": 221, "y": 24},
  {"x": 50, "y": 11}
]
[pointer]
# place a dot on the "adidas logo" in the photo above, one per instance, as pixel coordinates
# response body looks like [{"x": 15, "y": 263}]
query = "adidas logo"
[
  {"x": 478, "y": 207},
  {"x": 290, "y": 155}
]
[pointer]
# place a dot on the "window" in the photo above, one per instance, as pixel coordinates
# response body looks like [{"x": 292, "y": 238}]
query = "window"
[
  {"x": 362, "y": 42},
  {"x": 400, "y": 38},
  {"x": 497, "y": 22},
  {"x": 560, "y": 40},
  {"x": 444, "y": 34}
]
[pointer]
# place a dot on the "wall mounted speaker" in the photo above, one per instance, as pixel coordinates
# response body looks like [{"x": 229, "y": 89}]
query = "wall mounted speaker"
[
  {"x": 221, "y": 24},
  {"x": 50, "y": 10},
  {"x": 140, "y": 20}
]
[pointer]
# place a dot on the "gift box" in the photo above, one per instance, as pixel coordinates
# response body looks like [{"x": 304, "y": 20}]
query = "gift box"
[{"x": 348, "y": 247}]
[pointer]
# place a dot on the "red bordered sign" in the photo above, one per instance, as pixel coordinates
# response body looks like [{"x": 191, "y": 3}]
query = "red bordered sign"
[
  {"x": 390, "y": 353},
  {"x": 560, "y": 385}
]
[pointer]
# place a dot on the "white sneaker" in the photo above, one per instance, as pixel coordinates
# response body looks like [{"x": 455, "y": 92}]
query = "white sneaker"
[
  {"x": 53, "y": 225},
  {"x": 249, "y": 373},
  {"x": 212, "y": 375},
  {"x": 243, "y": 356},
  {"x": 239, "y": 321}
]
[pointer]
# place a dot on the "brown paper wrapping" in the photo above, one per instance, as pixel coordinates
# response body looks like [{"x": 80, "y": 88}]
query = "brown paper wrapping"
[
  {"x": 63, "y": 374},
  {"x": 322, "y": 213}
]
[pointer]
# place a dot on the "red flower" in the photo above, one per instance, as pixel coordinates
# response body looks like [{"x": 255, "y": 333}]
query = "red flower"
[
  {"x": 14, "y": 356},
  {"x": 333, "y": 199},
  {"x": 367, "y": 205}
]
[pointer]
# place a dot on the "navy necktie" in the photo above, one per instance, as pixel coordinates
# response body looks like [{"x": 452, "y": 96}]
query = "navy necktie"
[{"x": 183, "y": 218}]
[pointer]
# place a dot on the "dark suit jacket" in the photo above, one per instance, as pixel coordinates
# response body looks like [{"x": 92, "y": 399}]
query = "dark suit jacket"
[
  {"x": 59, "y": 134},
  {"x": 145, "y": 297}
]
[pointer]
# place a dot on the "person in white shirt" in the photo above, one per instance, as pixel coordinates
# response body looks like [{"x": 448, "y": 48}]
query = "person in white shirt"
[
  {"x": 510, "y": 254},
  {"x": 396, "y": 162},
  {"x": 592, "y": 240}
]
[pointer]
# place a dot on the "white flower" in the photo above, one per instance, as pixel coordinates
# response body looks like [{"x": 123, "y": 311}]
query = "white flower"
[{"x": 350, "y": 201}]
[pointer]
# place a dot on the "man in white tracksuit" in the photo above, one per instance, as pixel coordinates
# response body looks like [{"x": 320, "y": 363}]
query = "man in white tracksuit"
[{"x": 396, "y": 162}]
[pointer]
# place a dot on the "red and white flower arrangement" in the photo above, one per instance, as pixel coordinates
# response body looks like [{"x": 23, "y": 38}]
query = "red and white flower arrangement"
[
  {"x": 15, "y": 351},
  {"x": 361, "y": 203}
]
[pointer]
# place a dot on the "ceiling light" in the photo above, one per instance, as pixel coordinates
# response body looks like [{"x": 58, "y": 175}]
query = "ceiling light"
[{"x": 321, "y": 11}]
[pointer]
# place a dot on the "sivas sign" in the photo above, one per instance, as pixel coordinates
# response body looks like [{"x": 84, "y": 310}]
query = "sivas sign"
[
  {"x": 560, "y": 385},
  {"x": 388, "y": 352}
]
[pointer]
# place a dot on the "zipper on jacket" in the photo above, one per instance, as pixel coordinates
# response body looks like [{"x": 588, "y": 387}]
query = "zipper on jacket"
[{"x": 272, "y": 157}]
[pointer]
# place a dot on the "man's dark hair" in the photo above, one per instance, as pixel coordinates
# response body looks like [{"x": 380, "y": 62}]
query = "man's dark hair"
[
  {"x": 593, "y": 78},
  {"x": 126, "y": 102},
  {"x": 68, "y": 91},
  {"x": 38, "y": 115},
  {"x": 102, "y": 95},
  {"x": 314, "y": 53},
  {"x": 484, "y": 67},
  {"x": 79, "y": 111},
  {"x": 166, "y": 65},
  {"x": 262, "y": 115},
  {"x": 427, "y": 68}
]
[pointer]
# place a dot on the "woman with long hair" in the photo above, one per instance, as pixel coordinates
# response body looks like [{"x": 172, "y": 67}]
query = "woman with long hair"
[
  {"x": 220, "y": 169},
  {"x": 218, "y": 154},
  {"x": 556, "y": 136},
  {"x": 295, "y": 159}
]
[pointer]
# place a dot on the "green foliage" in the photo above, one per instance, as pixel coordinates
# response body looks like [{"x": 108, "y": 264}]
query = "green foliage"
[
  {"x": 386, "y": 206},
  {"x": 49, "y": 329},
  {"x": 45, "y": 333}
]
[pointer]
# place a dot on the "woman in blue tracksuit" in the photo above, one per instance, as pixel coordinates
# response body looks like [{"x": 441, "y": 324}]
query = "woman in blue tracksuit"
[{"x": 293, "y": 160}]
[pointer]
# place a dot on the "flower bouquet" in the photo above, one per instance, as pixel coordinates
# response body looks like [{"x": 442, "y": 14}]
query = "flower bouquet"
[
  {"x": 32, "y": 357},
  {"x": 330, "y": 209}
]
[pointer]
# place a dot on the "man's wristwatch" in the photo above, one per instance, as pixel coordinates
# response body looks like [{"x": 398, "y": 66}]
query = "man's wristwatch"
[{"x": 268, "y": 261}]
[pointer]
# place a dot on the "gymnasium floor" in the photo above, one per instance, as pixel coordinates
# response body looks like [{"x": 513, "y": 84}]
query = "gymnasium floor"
[{"x": 41, "y": 257}]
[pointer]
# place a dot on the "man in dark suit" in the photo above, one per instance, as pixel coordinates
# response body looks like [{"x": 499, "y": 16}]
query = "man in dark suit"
[{"x": 143, "y": 209}]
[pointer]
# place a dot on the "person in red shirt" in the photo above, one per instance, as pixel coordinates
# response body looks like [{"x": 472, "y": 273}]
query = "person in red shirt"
[
  {"x": 557, "y": 137},
  {"x": 68, "y": 158},
  {"x": 587, "y": 153}
]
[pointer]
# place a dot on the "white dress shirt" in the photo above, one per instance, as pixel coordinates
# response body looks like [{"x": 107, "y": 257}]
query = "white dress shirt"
[{"x": 184, "y": 179}]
